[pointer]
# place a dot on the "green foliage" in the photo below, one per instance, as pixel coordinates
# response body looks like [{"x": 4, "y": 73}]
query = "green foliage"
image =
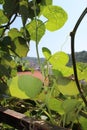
[
  {"x": 9, "y": 8},
  {"x": 36, "y": 27},
  {"x": 83, "y": 122},
  {"x": 56, "y": 17},
  {"x": 55, "y": 105},
  {"x": 25, "y": 87},
  {"x": 71, "y": 110},
  {"x": 59, "y": 61},
  {"x": 46, "y": 2},
  {"x": 24, "y": 10},
  {"x": 67, "y": 86},
  {"x": 46, "y": 52},
  {"x": 57, "y": 96},
  {"x": 3, "y": 18}
]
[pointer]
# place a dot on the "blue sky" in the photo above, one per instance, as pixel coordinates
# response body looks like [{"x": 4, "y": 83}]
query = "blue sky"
[{"x": 60, "y": 40}]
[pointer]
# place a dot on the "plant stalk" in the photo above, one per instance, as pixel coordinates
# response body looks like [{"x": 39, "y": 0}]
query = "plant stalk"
[{"x": 72, "y": 34}]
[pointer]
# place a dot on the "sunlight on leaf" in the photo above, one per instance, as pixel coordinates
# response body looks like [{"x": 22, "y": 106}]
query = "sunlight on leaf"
[
  {"x": 55, "y": 105},
  {"x": 3, "y": 18},
  {"x": 56, "y": 17},
  {"x": 36, "y": 30},
  {"x": 67, "y": 86},
  {"x": 59, "y": 61},
  {"x": 14, "y": 89},
  {"x": 14, "y": 33},
  {"x": 59, "y": 58},
  {"x": 25, "y": 86},
  {"x": 21, "y": 46}
]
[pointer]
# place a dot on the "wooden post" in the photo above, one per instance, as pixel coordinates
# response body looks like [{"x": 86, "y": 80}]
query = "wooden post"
[{"x": 22, "y": 122}]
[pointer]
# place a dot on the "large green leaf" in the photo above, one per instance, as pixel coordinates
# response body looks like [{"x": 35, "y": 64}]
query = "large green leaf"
[
  {"x": 59, "y": 61},
  {"x": 25, "y": 86},
  {"x": 67, "y": 86},
  {"x": 7, "y": 61},
  {"x": 59, "y": 58},
  {"x": 83, "y": 122},
  {"x": 10, "y": 7},
  {"x": 21, "y": 47},
  {"x": 56, "y": 17},
  {"x": 36, "y": 30},
  {"x": 54, "y": 104},
  {"x": 14, "y": 33},
  {"x": 71, "y": 108},
  {"x": 70, "y": 105},
  {"x": 24, "y": 10},
  {"x": 3, "y": 18}
]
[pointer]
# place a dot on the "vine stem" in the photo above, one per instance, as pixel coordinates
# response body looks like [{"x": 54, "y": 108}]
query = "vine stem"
[
  {"x": 72, "y": 34},
  {"x": 9, "y": 22},
  {"x": 7, "y": 25},
  {"x": 37, "y": 51}
]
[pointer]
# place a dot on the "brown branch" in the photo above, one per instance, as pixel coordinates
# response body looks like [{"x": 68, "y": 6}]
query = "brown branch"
[
  {"x": 20, "y": 121},
  {"x": 72, "y": 34}
]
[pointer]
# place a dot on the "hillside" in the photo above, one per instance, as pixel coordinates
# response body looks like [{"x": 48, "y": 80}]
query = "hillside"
[{"x": 80, "y": 57}]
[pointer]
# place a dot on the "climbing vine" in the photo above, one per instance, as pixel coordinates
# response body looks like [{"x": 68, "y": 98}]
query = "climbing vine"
[{"x": 61, "y": 96}]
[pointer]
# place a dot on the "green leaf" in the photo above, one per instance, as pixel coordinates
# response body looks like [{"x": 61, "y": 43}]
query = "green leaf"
[
  {"x": 54, "y": 104},
  {"x": 58, "y": 61},
  {"x": 70, "y": 105},
  {"x": 59, "y": 58},
  {"x": 10, "y": 7},
  {"x": 14, "y": 33},
  {"x": 1, "y": 1},
  {"x": 56, "y": 17},
  {"x": 25, "y": 86},
  {"x": 25, "y": 34},
  {"x": 32, "y": 9},
  {"x": 6, "y": 44},
  {"x": 4, "y": 71},
  {"x": 23, "y": 10},
  {"x": 36, "y": 30},
  {"x": 1, "y": 31},
  {"x": 82, "y": 75},
  {"x": 46, "y": 52},
  {"x": 67, "y": 86},
  {"x": 7, "y": 60},
  {"x": 3, "y": 89},
  {"x": 21, "y": 47},
  {"x": 46, "y": 2},
  {"x": 81, "y": 66},
  {"x": 3, "y": 18},
  {"x": 83, "y": 122},
  {"x": 71, "y": 108}
]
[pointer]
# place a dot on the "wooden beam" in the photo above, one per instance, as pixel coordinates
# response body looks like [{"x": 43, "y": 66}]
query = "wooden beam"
[{"x": 20, "y": 121}]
